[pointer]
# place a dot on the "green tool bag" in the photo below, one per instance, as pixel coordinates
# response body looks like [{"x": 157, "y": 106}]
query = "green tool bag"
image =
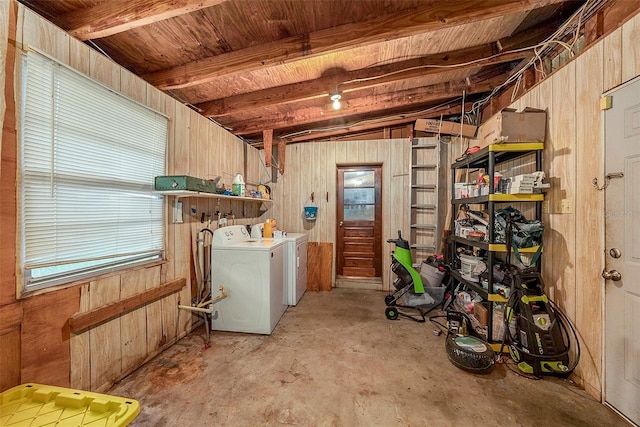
[{"x": 514, "y": 230}]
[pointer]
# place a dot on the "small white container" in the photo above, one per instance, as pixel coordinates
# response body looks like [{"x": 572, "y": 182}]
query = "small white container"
[{"x": 467, "y": 267}]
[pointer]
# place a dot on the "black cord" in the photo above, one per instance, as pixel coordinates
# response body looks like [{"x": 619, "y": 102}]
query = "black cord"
[
  {"x": 444, "y": 328},
  {"x": 518, "y": 372},
  {"x": 573, "y": 331}
]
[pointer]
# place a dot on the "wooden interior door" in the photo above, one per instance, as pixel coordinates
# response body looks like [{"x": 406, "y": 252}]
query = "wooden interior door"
[
  {"x": 622, "y": 254},
  {"x": 359, "y": 221}
]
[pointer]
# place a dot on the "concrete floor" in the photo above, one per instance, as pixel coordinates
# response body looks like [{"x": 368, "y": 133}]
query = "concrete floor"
[{"x": 335, "y": 360}]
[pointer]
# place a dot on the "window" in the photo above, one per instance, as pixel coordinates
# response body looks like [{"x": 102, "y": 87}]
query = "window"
[{"x": 88, "y": 161}]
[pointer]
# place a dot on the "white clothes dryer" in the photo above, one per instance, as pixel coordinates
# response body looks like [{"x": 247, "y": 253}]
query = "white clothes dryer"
[
  {"x": 251, "y": 271},
  {"x": 296, "y": 266}
]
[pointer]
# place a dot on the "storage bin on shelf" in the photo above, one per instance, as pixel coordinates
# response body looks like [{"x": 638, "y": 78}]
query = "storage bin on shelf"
[{"x": 469, "y": 267}]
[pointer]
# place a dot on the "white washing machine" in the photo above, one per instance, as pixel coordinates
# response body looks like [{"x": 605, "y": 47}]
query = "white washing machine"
[{"x": 251, "y": 270}]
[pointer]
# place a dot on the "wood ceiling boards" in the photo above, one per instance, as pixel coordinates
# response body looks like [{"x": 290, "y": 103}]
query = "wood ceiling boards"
[{"x": 256, "y": 65}]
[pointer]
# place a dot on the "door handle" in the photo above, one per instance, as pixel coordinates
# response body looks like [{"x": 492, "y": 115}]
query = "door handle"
[
  {"x": 612, "y": 275},
  {"x": 340, "y": 223}
]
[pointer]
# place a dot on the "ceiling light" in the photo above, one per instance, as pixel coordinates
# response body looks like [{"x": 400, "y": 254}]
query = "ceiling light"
[{"x": 336, "y": 101}]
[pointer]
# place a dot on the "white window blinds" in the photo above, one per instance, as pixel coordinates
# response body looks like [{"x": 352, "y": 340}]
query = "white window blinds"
[{"x": 88, "y": 161}]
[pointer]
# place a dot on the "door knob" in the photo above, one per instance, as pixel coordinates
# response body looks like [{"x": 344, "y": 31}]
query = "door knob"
[
  {"x": 340, "y": 224},
  {"x": 612, "y": 275}
]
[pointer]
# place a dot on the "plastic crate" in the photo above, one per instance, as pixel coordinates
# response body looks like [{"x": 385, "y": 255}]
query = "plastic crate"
[{"x": 36, "y": 405}]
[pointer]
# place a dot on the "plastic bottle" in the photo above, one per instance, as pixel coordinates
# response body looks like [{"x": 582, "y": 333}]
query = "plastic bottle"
[
  {"x": 237, "y": 185},
  {"x": 267, "y": 231}
]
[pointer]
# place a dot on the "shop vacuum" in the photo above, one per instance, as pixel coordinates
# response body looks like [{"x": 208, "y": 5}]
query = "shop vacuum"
[{"x": 538, "y": 335}]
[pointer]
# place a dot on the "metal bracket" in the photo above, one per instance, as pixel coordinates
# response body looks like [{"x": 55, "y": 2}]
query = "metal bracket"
[{"x": 607, "y": 178}]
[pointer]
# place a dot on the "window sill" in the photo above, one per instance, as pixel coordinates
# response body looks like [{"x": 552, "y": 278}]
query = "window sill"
[{"x": 22, "y": 293}]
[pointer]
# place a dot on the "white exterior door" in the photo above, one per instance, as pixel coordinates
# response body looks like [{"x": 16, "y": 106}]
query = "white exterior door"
[{"x": 622, "y": 257}]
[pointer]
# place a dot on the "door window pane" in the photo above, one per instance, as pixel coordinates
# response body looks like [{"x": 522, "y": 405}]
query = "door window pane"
[
  {"x": 359, "y": 195},
  {"x": 359, "y": 212},
  {"x": 359, "y": 179}
]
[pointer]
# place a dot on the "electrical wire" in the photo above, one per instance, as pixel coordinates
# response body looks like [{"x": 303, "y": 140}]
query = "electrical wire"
[
  {"x": 425, "y": 66},
  {"x": 363, "y": 122},
  {"x": 585, "y": 11},
  {"x": 538, "y": 49}
]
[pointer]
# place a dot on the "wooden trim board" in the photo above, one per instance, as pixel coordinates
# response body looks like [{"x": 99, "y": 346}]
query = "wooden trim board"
[{"x": 81, "y": 321}]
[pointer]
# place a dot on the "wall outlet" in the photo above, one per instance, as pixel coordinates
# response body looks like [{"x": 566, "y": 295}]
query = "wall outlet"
[{"x": 564, "y": 206}]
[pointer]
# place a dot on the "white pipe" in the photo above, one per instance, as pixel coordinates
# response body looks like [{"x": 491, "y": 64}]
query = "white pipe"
[
  {"x": 198, "y": 309},
  {"x": 223, "y": 294},
  {"x": 201, "y": 261}
]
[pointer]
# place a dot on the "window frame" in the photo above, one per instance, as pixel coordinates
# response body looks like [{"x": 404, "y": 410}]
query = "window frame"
[{"x": 157, "y": 157}]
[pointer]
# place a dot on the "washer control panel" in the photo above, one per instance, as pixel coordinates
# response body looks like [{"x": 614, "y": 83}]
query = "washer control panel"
[{"x": 231, "y": 234}]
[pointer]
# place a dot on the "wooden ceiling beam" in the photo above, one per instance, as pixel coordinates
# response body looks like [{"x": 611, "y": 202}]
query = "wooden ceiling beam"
[
  {"x": 366, "y": 125},
  {"x": 461, "y": 59},
  {"x": 366, "y": 104},
  {"x": 464, "y": 59},
  {"x": 529, "y": 37},
  {"x": 433, "y": 17},
  {"x": 113, "y": 17}
]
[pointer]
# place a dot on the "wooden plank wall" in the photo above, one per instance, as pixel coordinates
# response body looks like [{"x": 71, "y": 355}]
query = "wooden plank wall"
[
  {"x": 10, "y": 309},
  {"x": 312, "y": 168},
  {"x": 573, "y": 156},
  {"x": 95, "y": 358}
]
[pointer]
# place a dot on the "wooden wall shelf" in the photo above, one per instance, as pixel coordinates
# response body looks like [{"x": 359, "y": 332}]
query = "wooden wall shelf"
[{"x": 188, "y": 193}]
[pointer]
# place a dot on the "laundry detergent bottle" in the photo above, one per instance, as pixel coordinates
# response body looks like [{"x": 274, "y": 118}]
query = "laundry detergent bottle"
[
  {"x": 237, "y": 185},
  {"x": 267, "y": 231}
]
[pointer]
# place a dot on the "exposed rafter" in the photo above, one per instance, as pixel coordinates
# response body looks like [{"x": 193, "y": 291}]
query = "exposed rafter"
[
  {"x": 113, "y": 17},
  {"x": 429, "y": 18},
  {"x": 471, "y": 58},
  {"x": 368, "y": 125},
  {"x": 368, "y": 103}
]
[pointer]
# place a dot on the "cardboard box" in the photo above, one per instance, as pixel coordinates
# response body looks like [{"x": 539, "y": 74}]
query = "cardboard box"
[
  {"x": 526, "y": 178},
  {"x": 508, "y": 125},
  {"x": 444, "y": 127},
  {"x": 518, "y": 189},
  {"x": 462, "y": 190},
  {"x": 481, "y": 313}
]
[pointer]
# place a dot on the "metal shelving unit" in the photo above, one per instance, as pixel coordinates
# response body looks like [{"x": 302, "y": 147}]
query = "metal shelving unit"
[{"x": 487, "y": 158}]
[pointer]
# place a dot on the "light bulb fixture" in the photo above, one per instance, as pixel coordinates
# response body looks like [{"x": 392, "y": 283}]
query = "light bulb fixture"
[{"x": 336, "y": 101}]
